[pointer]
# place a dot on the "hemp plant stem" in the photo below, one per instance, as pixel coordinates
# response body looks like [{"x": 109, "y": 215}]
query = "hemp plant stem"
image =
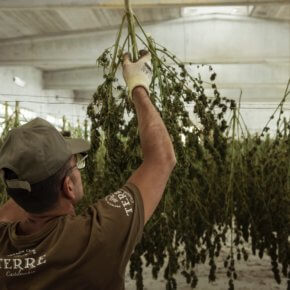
[{"x": 131, "y": 29}]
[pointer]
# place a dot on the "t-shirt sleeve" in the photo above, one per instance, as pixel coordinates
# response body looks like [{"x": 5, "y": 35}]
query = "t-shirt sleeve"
[{"x": 119, "y": 220}]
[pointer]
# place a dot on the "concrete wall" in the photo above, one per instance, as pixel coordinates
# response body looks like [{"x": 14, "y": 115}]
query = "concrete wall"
[
  {"x": 34, "y": 98},
  {"x": 257, "y": 115}
]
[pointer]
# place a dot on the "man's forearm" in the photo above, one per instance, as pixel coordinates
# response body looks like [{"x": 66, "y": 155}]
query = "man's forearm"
[{"x": 155, "y": 141}]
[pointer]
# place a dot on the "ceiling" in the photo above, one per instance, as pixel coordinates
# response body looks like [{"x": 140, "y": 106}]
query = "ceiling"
[
  {"x": 29, "y": 22},
  {"x": 30, "y": 18},
  {"x": 64, "y": 37}
]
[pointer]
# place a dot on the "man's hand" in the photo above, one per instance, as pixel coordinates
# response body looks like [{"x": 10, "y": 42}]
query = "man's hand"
[{"x": 139, "y": 73}]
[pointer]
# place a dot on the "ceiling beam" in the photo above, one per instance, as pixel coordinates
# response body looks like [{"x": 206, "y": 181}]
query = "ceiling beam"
[
  {"x": 59, "y": 35},
  {"x": 118, "y": 4},
  {"x": 249, "y": 95},
  {"x": 257, "y": 82},
  {"x": 229, "y": 76}
]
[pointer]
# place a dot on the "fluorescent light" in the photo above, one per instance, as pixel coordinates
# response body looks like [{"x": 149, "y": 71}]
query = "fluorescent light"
[
  {"x": 19, "y": 82},
  {"x": 219, "y": 10}
]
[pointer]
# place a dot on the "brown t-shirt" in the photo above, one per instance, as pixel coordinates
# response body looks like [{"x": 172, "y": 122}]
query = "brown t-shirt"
[{"x": 84, "y": 252}]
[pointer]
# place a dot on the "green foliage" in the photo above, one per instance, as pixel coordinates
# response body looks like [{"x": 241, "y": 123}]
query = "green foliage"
[
  {"x": 10, "y": 121},
  {"x": 221, "y": 184}
]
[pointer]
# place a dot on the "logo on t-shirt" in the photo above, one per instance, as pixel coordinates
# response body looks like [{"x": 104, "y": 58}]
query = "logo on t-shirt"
[
  {"x": 21, "y": 263},
  {"x": 121, "y": 199}
]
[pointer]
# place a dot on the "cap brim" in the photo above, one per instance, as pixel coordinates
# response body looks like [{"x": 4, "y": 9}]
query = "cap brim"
[{"x": 78, "y": 145}]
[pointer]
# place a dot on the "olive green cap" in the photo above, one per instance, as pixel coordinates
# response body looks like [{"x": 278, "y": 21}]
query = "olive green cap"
[{"x": 36, "y": 151}]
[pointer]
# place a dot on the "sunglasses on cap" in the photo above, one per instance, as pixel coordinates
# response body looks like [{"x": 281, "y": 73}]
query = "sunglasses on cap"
[
  {"x": 80, "y": 164},
  {"x": 81, "y": 161}
]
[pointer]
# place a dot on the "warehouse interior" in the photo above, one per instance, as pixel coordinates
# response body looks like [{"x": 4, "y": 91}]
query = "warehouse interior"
[
  {"x": 48, "y": 50},
  {"x": 229, "y": 194}
]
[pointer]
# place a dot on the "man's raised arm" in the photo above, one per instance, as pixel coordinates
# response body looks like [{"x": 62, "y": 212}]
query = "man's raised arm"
[{"x": 158, "y": 153}]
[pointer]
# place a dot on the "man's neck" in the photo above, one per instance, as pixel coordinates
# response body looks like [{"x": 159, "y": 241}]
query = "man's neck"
[
  {"x": 12, "y": 212},
  {"x": 35, "y": 222}
]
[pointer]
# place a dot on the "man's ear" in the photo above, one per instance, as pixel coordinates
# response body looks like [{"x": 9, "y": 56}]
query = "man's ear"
[{"x": 68, "y": 189}]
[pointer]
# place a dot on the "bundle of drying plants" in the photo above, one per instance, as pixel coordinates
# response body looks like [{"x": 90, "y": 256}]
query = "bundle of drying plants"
[
  {"x": 228, "y": 188},
  {"x": 204, "y": 199}
]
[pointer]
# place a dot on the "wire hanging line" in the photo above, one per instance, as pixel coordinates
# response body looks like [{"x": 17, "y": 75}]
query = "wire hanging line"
[
  {"x": 86, "y": 104},
  {"x": 31, "y": 96},
  {"x": 46, "y": 103}
]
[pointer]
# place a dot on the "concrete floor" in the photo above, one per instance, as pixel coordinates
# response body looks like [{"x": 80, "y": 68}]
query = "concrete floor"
[{"x": 255, "y": 274}]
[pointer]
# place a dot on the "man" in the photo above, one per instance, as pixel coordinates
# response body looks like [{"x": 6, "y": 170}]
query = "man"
[{"x": 43, "y": 244}]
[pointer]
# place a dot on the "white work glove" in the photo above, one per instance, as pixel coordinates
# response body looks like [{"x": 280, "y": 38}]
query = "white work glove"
[{"x": 139, "y": 73}]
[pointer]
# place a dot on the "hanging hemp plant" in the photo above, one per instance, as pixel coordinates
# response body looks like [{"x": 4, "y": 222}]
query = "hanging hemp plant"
[
  {"x": 185, "y": 214},
  {"x": 263, "y": 204},
  {"x": 210, "y": 191},
  {"x": 10, "y": 122}
]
